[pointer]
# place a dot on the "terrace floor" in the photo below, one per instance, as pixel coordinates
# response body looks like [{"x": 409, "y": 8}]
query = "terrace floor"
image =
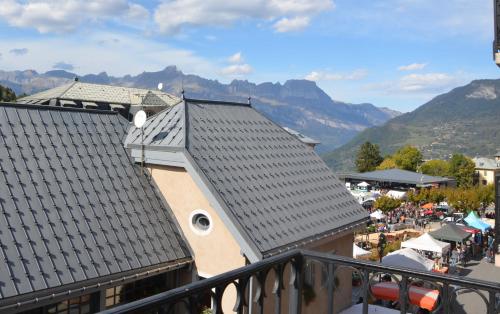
[{"x": 470, "y": 302}]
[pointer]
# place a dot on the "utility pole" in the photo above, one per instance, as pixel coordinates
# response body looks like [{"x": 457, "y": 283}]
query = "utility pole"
[
  {"x": 496, "y": 30},
  {"x": 496, "y": 244}
]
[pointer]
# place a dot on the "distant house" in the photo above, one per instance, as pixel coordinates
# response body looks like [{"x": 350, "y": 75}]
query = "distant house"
[
  {"x": 125, "y": 100},
  {"x": 396, "y": 179},
  {"x": 486, "y": 168},
  {"x": 81, "y": 229},
  {"x": 244, "y": 189}
]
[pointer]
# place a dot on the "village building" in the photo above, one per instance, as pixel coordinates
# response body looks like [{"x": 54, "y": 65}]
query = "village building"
[
  {"x": 486, "y": 169},
  {"x": 396, "y": 179},
  {"x": 125, "y": 100},
  {"x": 243, "y": 189},
  {"x": 81, "y": 228}
]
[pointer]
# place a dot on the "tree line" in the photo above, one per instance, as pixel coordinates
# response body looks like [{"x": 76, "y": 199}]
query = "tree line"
[
  {"x": 410, "y": 158},
  {"x": 7, "y": 94},
  {"x": 462, "y": 199}
]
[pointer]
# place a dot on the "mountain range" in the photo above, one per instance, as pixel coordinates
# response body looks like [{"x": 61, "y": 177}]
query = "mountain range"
[
  {"x": 297, "y": 104},
  {"x": 464, "y": 120}
]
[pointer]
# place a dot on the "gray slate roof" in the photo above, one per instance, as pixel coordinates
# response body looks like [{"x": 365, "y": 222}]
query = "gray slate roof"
[
  {"x": 101, "y": 93},
  {"x": 274, "y": 187},
  {"x": 485, "y": 163},
  {"x": 396, "y": 176},
  {"x": 73, "y": 207}
]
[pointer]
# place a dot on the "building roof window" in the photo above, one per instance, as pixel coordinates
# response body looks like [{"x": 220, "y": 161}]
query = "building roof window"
[{"x": 200, "y": 222}]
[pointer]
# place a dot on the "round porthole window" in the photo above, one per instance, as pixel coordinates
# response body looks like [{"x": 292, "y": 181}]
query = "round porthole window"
[{"x": 201, "y": 223}]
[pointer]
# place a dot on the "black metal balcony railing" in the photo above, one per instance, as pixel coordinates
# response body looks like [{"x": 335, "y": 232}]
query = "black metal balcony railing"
[{"x": 188, "y": 299}]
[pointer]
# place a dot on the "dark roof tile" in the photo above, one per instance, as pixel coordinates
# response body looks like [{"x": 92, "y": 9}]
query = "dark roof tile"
[{"x": 72, "y": 205}]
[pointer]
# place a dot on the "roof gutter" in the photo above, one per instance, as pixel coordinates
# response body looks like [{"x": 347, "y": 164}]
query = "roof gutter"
[
  {"x": 317, "y": 237},
  {"x": 53, "y": 295}
]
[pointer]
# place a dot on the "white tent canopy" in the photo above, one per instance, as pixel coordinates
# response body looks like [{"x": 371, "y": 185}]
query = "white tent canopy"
[
  {"x": 363, "y": 184},
  {"x": 408, "y": 258},
  {"x": 426, "y": 243},
  {"x": 396, "y": 194},
  {"x": 357, "y": 251},
  {"x": 378, "y": 214}
]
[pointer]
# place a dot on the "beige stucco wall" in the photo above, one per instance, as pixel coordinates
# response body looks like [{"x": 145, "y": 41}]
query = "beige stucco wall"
[
  {"x": 214, "y": 253},
  {"x": 488, "y": 175},
  {"x": 219, "y": 252},
  {"x": 341, "y": 245}
]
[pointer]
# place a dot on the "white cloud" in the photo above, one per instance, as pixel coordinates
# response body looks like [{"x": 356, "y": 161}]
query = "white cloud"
[
  {"x": 412, "y": 67},
  {"x": 236, "y": 58},
  {"x": 117, "y": 54},
  {"x": 237, "y": 70},
  {"x": 291, "y": 25},
  {"x": 419, "y": 19},
  {"x": 19, "y": 51},
  {"x": 61, "y": 16},
  {"x": 61, "y": 65},
  {"x": 137, "y": 12},
  {"x": 328, "y": 76},
  {"x": 172, "y": 16},
  {"x": 427, "y": 84}
]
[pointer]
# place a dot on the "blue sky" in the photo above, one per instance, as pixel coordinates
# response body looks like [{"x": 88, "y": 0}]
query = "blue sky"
[{"x": 394, "y": 53}]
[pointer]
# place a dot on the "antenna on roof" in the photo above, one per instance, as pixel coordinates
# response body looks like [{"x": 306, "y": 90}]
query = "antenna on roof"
[
  {"x": 76, "y": 79},
  {"x": 160, "y": 86},
  {"x": 182, "y": 94},
  {"x": 249, "y": 100},
  {"x": 139, "y": 121}
]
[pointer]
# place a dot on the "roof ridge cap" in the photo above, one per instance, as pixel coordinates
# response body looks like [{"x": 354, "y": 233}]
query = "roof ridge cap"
[
  {"x": 215, "y": 102},
  {"x": 57, "y": 108}
]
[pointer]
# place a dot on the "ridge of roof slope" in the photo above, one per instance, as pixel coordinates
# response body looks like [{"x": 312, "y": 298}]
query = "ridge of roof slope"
[
  {"x": 74, "y": 208},
  {"x": 274, "y": 187}
]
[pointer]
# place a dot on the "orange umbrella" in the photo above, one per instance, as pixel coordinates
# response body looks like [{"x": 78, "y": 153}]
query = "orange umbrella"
[
  {"x": 421, "y": 297},
  {"x": 428, "y": 206}
]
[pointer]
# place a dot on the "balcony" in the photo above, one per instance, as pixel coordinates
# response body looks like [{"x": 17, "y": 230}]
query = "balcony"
[{"x": 278, "y": 284}]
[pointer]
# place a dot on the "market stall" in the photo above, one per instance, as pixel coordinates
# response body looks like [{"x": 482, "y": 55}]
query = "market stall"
[
  {"x": 408, "y": 258},
  {"x": 451, "y": 233},
  {"x": 378, "y": 215},
  {"x": 359, "y": 252},
  {"x": 427, "y": 243},
  {"x": 474, "y": 221}
]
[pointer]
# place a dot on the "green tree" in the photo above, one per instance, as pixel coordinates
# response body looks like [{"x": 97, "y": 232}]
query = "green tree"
[
  {"x": 462, "y": 168},
  {"x": 436, "y": 167},
  {"x": 7, "y": 94},
  {"x": 485, "y": 194},
  {"x": 368, "y": 157},
  {"x": 412, "y": 197},
  {"x": 386, "y": 203},
  {"x": 388, "y": 163},
  {"x": 436, "y": 195},
  {"x": 408, "y": 158},
  {"x": 463, "y": 199}
]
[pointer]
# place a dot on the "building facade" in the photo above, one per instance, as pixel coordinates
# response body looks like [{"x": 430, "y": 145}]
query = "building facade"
[
  {"x": 486, "y": 169},
  {"x": 81, "y": 228},
  {"x": 241, "y": 187}
]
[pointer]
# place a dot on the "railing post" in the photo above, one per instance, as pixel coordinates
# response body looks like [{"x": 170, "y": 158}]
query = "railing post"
[
  {"x": 296, "y": 285},
  {"x": 331, "y": 290},
  {"x": 492, "y": 302},
  {"x": 278, "y": 285},
  {"x": 261, "y": 291},
  {"x": 446, "y": 298},
  {"x": 366, "y": 287},
  {"x": 217, "y": 300},
  {"x": 403, "y": 292}
]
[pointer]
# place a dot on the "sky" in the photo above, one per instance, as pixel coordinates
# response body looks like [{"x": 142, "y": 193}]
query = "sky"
[{"x": 393, "y": 53}]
